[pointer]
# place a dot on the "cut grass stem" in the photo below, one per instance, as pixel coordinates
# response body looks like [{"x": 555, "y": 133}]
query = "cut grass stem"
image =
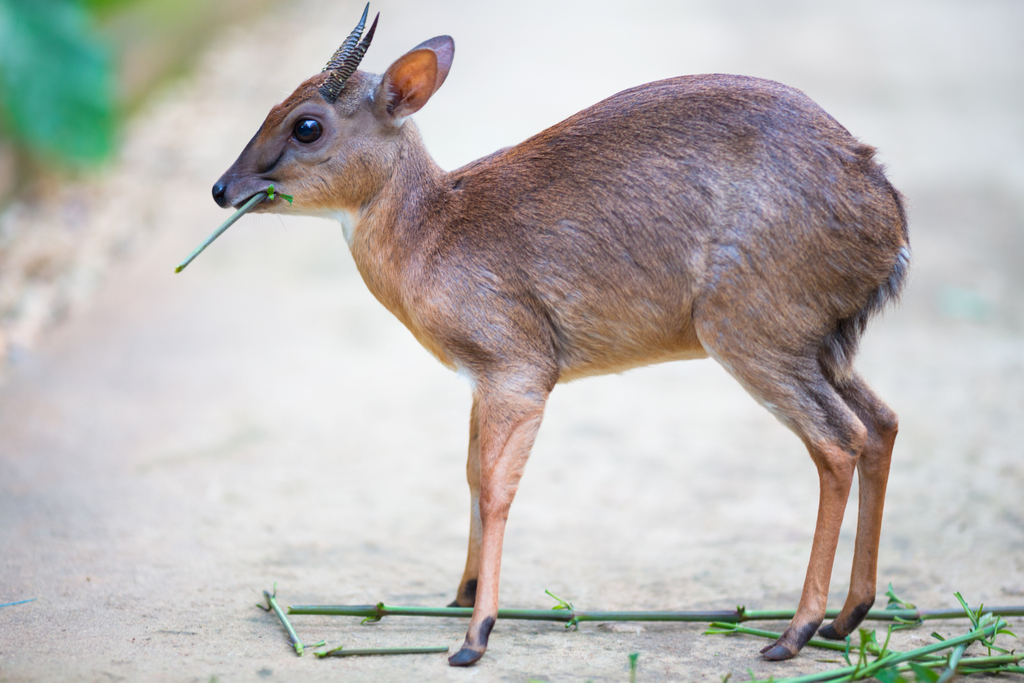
[
  {"x": 380, "y": 610},
  {"x": 887, "y": 665},
  {"x": 253, "y": 201},
  {"x": 718, "y": 627},
  {"x": 984, "y": 629},
  {"x": 901, "y": 661},
  {"x": 292, "y": 635},
  {"x": 367, "y": 651}
]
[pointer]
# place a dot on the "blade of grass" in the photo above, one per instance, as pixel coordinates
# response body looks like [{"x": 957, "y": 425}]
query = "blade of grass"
[
  {"x": 292, "y": 635},
  {"x": 380, "y": 610},
  {"x": 363, "y": 652},
  {"x": 271, "y": 193},
  {"x": 895, "y": 601},
  {"x": 994, "y": 660},
  {"x": 727, "y": 628},
  {"x": 900, "y": 660},
  {"x": 573, "y": 623},
  {"x": 253, "y": 201},
  {"x": 954, "y": 660}
]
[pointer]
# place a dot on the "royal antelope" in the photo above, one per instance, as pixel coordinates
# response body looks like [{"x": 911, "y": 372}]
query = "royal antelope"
[{"x": 713, "y": 215}]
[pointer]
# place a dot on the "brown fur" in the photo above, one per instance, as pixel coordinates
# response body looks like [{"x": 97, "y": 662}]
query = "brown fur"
[{"x": 701, "y": 215}]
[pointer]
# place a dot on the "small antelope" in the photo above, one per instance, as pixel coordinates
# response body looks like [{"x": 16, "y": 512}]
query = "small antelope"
[{"x": 713, "y": 215}]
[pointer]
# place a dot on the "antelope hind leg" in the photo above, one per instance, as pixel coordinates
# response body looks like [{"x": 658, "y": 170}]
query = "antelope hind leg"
[
  {"x": 796, "y": 391},
  {"x": 873, "y": 474}
]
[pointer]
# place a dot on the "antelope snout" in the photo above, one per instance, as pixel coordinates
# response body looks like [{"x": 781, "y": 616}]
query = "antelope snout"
[{"x": 220, "y": 189}]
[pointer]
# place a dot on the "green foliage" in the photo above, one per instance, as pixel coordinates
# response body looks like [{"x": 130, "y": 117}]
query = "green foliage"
[
  {"x": 574, "y": 623},
  {"x": 56, "y": 81},
  {"x": 924, "y": 664},
  {"x": 633, "y": 657},
  {"x": 103, "y": 6},
  {"x": 271, "y": 193},
  {"x": 896, "y": 602}
]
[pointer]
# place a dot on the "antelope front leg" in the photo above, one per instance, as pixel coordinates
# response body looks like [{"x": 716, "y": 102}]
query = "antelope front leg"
[
  {"x": 507, "y": 428},
  {"x": 466, "y": 594},
  {"x": 835, "y": 471}
]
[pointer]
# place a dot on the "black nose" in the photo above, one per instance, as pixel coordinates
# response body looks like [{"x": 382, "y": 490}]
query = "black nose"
[{"x": 218, "y": 194}]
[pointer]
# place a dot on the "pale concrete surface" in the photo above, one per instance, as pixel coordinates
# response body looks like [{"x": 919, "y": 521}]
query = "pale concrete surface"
[{"x": 182, "y": 442}]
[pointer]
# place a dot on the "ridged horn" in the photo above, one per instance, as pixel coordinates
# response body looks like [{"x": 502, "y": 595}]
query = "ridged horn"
[
  {"x": 346, "y": 60},
  {"x": 346, "y": 48}
]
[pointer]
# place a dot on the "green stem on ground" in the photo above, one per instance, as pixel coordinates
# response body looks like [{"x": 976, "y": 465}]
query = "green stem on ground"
[
  {"x": 633, "y": 657},
  {"x": 984, "y": 628},
  {"x": 897, "y": 658},
  {"x": 380, "y": 610},
  {"x": 718, "y": 627},
  {"x": 292, "y": 635},
  {"x": 901, "y": 660},
  {"x": 362, "y": 652},
  {"x": 954, "y": 660}
]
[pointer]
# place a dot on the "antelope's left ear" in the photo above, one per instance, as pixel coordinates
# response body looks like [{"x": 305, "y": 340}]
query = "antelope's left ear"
[{"x": 414, "y": 78}]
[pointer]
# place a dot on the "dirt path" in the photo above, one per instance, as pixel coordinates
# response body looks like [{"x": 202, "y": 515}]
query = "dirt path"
[{"x": 182, "y": 442}]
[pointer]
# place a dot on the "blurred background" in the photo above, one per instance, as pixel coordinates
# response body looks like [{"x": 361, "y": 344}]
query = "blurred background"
[
  {"x": 72, "y": 74},
  {"x": 72, "y": 71},
  {"x": 172, "y": 444}
]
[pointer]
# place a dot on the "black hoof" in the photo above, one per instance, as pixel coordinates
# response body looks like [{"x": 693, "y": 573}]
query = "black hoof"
[
  {"x": 777, "y": 653},
  {"x": 467, "y": 594},
  {"x": 831, "y": 633},
  {"x": 792, "y": 641},
  {"x": 465, "y": 657},
  {"x": 843, "y": 626}
]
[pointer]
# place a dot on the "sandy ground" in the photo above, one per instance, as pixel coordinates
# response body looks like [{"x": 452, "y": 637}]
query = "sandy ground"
[{"x": 181, "y": 442}]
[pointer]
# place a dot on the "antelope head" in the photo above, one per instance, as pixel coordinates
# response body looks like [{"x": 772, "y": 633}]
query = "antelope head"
[{"x": 335, "y": 142}]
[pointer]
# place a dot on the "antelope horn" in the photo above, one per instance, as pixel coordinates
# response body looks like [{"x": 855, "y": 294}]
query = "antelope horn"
[
  {"x": 345, "y": 61},
  {"x": 346, "y": 48}
]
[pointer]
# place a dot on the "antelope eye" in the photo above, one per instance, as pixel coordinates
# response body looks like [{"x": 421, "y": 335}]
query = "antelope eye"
[{"x": 307, "y": 130}]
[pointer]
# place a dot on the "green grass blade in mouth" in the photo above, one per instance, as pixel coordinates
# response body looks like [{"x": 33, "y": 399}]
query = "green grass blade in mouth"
[{"x": 253, "y": 201}]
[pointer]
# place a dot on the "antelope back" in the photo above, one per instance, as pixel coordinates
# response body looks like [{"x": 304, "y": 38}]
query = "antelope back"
[{"x": 600, "y": 243}]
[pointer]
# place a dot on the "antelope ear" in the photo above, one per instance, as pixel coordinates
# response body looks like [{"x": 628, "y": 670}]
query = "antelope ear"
[{"x": 413, "y": 78}]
